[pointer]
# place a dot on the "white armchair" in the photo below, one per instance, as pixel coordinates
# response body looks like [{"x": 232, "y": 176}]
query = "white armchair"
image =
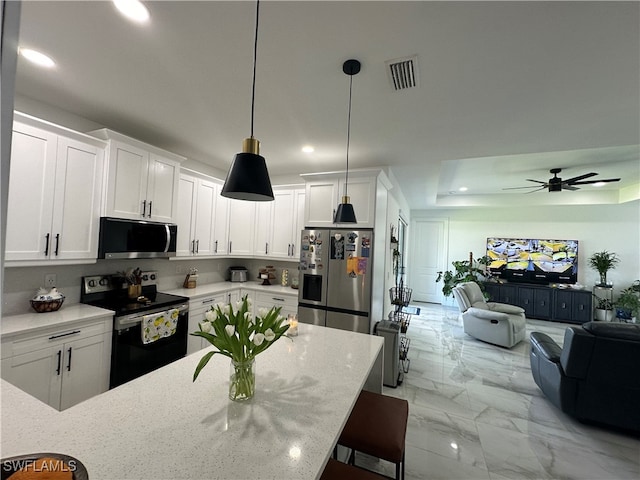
[{"x": 491, "y": 322}]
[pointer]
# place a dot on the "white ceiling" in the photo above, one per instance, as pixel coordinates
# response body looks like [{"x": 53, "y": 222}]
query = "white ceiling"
[{"x": 507, "y": 90}]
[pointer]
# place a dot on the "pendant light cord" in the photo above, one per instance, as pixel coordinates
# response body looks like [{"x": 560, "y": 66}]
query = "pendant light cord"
[
  {"x": 255, "y": 60},
  {"x": 346, "y": 180}
]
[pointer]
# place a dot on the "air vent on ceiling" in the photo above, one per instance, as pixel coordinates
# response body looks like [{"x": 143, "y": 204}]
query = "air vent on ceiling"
[{"x": 403, "y": 72}]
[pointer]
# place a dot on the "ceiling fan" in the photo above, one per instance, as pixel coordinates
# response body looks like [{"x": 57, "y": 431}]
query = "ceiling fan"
[{"x": 556, "y": 184}]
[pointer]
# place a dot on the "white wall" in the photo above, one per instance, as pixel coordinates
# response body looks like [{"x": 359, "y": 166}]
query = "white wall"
[{"x": 615, "y": 228}]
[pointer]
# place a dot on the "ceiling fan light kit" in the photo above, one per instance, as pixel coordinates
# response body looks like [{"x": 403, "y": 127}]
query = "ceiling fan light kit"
[
  {"x": 248, "y": 177},
  {"x": 345, "y": 212}
]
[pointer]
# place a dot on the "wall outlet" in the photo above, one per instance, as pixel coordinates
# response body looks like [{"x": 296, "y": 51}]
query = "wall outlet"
[{"x": 50, "y": 280}]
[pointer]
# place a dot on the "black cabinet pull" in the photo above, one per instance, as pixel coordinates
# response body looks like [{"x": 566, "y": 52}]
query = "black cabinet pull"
[
  {"x": 197, "y": 245},
  {"x": 150, "y": 203},
  {"x": 266, "y": 248},
  {"x": 46, "y": 247},
  {"x": 59, "y": 362},
  {"x": 215, "y": 250},
  {"x": 193, "y": 246},
  {"x": 229, "y": 246},
  {"x": 57, "y": 243},
  {"x": 144, "y": 208},
  {"x": 69, "y": 363},
  {"x": 53, "y": 337}
]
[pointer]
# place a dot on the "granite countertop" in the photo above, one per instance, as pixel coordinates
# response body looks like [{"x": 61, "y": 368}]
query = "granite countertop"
[
  {"x": 67, "y": 316},
  {"x": 163, "y": 425},
  {"x": 219, "y": 287}
]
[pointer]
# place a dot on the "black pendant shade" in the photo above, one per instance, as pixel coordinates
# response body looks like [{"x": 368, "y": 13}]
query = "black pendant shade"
[
  {"x": 345, "y": 212},
  {"x": 248, "y": 178}
]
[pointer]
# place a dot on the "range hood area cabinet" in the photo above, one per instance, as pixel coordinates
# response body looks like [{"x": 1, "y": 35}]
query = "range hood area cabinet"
[
  {"x": 51, "y": 168},
  {"x": 324, "y": 192},
  {"x": 142, "y": 180}
]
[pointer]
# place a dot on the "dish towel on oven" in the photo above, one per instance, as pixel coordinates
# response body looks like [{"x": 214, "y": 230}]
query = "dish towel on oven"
[{"x": 159, "y": 325}]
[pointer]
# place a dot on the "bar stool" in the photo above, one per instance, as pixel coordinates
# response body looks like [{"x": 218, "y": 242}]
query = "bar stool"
[
  {"x": 336, "y": 470},
  {"x": 377, "y": 426}
]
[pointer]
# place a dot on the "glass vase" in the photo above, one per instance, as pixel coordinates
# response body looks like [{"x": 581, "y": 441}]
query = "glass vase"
[{"x": 242, "y": 380}]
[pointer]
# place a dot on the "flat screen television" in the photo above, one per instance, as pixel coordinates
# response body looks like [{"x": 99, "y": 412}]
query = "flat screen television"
[{"x": 533, "y": 260}]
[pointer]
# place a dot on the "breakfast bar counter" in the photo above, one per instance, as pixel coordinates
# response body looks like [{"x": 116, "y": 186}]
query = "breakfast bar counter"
[{"x": 164, "y": 426}]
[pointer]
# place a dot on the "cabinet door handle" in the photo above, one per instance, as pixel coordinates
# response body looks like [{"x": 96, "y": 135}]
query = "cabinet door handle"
[
  {"x": 197, "y": 246},
  {"x": 53, "y": 337},
  {"x": 564, "y": 305},
  {"x": 69, "y": 362},
  {"x": 144, "y": 208},
  {"x": 293, "y": 248},
  {"x": 229, "y": 246},
  {"x": 57, "y": 243},
  {"x": 277, "y": 299},
  {"x": 210, "y": 300},
  {"x": 193, "y": 246},
  {"x": 215, "y": 248},
  {"x": 59, "y": 362},
  {"x": 46, "y": 245},
  {"x": 266, "y": 248},
  {"x": 150, "y": 204}
]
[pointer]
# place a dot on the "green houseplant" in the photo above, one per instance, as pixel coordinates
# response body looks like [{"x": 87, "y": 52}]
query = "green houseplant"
[
  {"x": 602, "y": 262},
  {"x": 628, "y": 303},
  {"x": 604, "y": 309},
  {"x": 464, "y": 271}
]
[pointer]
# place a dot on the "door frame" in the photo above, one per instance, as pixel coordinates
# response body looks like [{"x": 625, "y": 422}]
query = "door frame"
[{"x": 443, "y": 251}]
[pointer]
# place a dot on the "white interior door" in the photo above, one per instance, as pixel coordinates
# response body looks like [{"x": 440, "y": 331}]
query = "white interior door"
[{"x": 428, "y": 257}]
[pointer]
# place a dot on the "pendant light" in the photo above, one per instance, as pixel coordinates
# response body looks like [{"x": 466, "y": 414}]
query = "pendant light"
[
  {"x": 345, "y": 213},
  {"x": 248, "y": 178}
]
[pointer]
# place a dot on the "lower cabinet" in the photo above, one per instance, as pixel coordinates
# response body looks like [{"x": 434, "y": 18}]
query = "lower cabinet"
[
  {"x": 544, "y": 303},
  {"x": 197, "y": 309},
  {"x": 61, "y": 368},
  {"x": 289, "y": 303}
]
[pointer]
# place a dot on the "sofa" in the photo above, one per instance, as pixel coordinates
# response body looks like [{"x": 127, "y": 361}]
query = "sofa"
[
  {"x": 491, "y": 322},
  {"x": 595, "y": 375}
]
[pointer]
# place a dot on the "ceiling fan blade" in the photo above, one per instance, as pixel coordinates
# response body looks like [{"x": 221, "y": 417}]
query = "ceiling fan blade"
[
  {"x": 578, "y": 178},
  {"x": 537, "y": 181},
  {"x": 544, "y": 187},
  {"x": 518, "y": 188},
  {"x": 569, "y": 187},
  {"x": 590, "y": 182}
]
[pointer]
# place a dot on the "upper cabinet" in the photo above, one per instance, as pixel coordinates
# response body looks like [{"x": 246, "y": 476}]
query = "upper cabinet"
[
  {"x": 55, "y": 187},
  {"x": 279, "y": 224},
  {"x": 142, "y": 180},
  {"x": 324, "y": 192}
]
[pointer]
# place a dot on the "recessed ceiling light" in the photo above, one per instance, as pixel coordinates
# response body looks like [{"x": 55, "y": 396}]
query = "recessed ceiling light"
[
  {"x": 308, "y": 149},
  {"x": 599, "y": 184},
  {"x": 463, "y": 189},
  {"x": 37, "y": 57},
  {"x": 133, "y": 10}
]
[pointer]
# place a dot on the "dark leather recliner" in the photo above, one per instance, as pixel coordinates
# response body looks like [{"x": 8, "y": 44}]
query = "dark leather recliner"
[{"x": 595, "y": 376}]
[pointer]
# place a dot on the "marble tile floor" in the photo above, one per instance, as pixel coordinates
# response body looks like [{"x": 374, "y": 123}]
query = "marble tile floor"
[{"x": 476, "y": 413}]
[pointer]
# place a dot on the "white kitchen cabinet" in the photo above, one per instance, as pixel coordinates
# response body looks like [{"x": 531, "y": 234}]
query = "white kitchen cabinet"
[
  {"x": 61, "y": 367},
  {"x": 242, "y": 219},
  {"x": 55, "y": 187},
  {"x": 279, "y": 223},
  {"x": 221, "y": 224},
  {"x": 196, "y": 207},
  {"x": 324, "y": 193},
  {"x": 142, "y": 180},
  {"x": 197, "y": 309},
  {"x": 288, "y": 303}
]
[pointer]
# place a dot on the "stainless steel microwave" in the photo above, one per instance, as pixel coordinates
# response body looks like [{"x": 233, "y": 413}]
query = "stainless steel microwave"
[{"x": 120, "y": 238}]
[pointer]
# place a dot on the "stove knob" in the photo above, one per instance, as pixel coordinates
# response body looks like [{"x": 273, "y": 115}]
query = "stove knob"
[
  {"x": 103, "y": 281},
  {"x": 145, "y": 277},
  {"x": 91, "y": 283},
  {"x": 153, "y": 276}
]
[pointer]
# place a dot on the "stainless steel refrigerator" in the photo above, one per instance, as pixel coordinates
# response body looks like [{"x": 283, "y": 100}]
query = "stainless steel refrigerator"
[{"x": 335, "y": 278}]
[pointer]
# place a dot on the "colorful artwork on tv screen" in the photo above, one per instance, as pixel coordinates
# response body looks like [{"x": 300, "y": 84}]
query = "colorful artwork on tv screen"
[{"x": 529, "y": 259}]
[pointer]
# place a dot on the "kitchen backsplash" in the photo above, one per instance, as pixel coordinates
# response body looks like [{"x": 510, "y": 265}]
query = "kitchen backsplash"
[{"x": 21, "y": 283}]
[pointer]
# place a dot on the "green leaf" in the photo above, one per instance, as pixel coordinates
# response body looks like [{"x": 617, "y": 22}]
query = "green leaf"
[{"x": 203, "y": 361}]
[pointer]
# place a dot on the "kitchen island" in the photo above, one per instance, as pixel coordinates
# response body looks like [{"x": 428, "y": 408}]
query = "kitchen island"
[{"x": 164, "y": 426}]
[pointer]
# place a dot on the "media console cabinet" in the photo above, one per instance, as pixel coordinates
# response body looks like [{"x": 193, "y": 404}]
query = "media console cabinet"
[{"x": 544, "y": 302}]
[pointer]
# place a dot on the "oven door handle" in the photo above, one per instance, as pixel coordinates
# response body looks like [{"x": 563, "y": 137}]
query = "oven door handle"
[
  {"x": 138, "y": 318},
  {"x": 166, "y": 229}
]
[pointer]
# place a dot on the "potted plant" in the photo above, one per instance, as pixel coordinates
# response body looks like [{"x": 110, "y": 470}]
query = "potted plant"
[
  {"x": 464, "y": 271},
  {"x": 602, "y": 262},
  {"x": 604, "y": 310},
  {"x": 628, "y": 304}
]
